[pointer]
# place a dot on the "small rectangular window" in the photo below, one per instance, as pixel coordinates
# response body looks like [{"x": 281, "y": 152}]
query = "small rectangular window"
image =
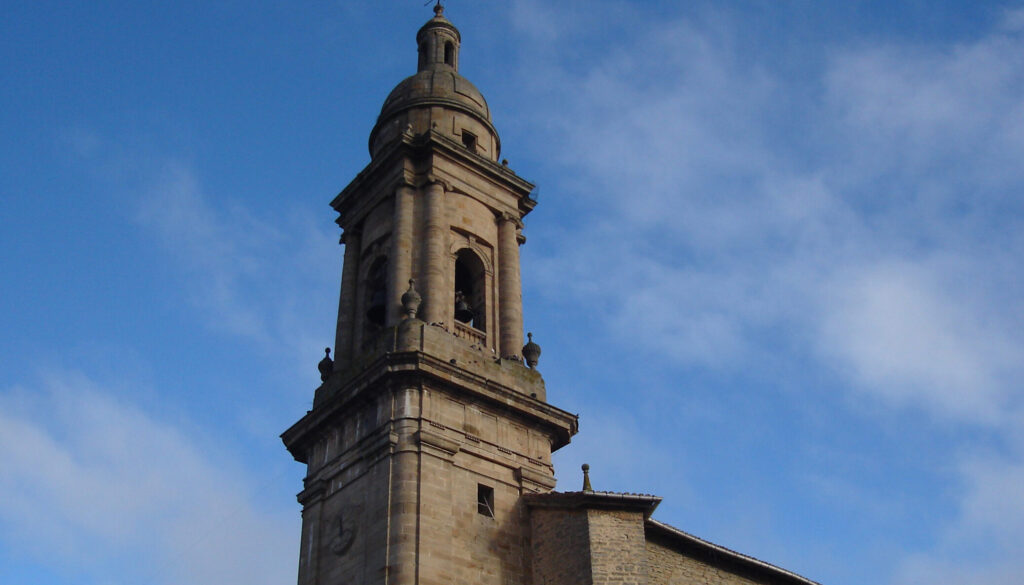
[
  {"x": 485, "y": 500},
  {"x": 469, "y": 140}
]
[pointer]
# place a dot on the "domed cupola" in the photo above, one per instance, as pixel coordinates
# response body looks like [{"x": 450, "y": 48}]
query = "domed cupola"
[
  {"x": 437, "y": 97},
  {"x": 438, "y": 41}
]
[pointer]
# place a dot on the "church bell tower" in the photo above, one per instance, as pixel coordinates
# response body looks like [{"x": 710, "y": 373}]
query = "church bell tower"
[{"x": 431, "y": 422}]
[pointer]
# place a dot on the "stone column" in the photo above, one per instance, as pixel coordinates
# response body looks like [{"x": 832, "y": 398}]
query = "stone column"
[
  {"x": 400, "y": 267},
  {"x": 435, "y": 247},
  {"x": 347, "y": 301},
  {"x": 510, "y": 294}
]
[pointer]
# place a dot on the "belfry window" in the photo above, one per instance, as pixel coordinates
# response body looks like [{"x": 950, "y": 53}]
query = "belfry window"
[
  {"x": 470, "y": 292},
  {"x": 449, "y": 54},
  {"x": 422, "y": 56}
]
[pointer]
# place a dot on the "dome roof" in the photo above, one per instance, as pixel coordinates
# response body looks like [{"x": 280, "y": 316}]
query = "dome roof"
[{"x": 435, "y": 87}]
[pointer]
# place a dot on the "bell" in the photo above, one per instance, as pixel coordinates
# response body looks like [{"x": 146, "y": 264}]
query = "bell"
[
  {"x": 376, "y": 313},
  {"x": 462, "y": 311}
]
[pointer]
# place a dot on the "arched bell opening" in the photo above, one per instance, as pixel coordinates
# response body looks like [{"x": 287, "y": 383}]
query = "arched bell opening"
[
  {"x": 375, "y": 297},
  {"x": 470, "y": 290}
]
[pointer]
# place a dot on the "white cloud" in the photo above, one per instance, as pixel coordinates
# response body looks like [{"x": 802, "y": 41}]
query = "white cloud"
[
  {"x": 984, "y": 541},
  {"x": 1013, "y": 20},
  {"x": 219, "y": 251},
  {"x": 250, "y": 276},
  {"x": 875, "y": 223},
  {"x": 912, "y": 340},
  {"x": 726, "y": 223},
  {"x": 913, "y": 110},
  {"x": 91, "y": 484}
]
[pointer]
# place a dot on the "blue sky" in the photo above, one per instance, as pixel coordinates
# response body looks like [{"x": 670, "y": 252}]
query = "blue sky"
[{"x": 775, "y": 268}]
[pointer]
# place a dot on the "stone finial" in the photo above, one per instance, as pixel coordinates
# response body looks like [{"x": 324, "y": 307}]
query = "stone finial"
[
  {"x": 586, "y": 478},
  {"x": 531, "y": 352},
  {"x": 326, "y": 365},
  {"x": 438, "y": 9},
  {"x": 411, "y": 300}
]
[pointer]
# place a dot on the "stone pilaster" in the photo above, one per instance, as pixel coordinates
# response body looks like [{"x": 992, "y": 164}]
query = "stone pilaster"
[
  {"x": 347, "y": 299},
  {"x": 311, "y": 499},
  {"x": 435, "y": 239},
  {"x": 404, "y": 505},
  {"x": 400, "y": 267},
  {"x": 510, "y": 301}
]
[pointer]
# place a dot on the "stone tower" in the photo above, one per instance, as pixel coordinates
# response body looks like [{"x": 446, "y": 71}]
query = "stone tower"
[{"x": 428, "y": 427}]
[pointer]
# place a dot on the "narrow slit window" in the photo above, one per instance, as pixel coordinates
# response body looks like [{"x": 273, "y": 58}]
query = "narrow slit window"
[{"x": 485, "y": 500}]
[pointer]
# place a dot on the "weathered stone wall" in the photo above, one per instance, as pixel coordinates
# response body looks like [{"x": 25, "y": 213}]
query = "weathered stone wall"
[
  {"x": 667, "y": 566},
  {"x": 351, "y": 533},
  {"x": 395, "y": 481},
  {"x": 560, "y": 547},
  {"x": 458, "y": 544},
  {"x": 617, "y": 547},
  {"x": 587, "y": 547}
]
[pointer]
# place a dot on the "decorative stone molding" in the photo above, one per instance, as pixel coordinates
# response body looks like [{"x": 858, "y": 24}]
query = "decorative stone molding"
[
  {"x": 506, "y": 216},
  {"x": 432, "y": 179},
  {"x": 313, "y": 493},
  {"x": 471, "y": 243},
  {"x": 437, "y": 441},
  {"x": 350, "y": 233},
  {"x": 541, "y": 480}
]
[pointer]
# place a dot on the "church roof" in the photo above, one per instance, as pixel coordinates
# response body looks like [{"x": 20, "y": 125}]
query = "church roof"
[{"x": 722, "y": 555}]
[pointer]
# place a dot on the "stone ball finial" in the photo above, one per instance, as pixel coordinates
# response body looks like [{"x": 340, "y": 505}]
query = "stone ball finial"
[
  {"x": 438, "y": 9},
  {"x": 531, "y": 352},
  {"x": 411, "y": 300},
  {"x": 586, "y": 478},
  {"x": 326, "y": 365}
]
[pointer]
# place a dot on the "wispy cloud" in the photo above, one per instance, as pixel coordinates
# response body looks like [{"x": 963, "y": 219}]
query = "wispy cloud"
[
  {"x": 221, "y": 250},
  {"x": 873, "y": 225},
  {"x": 91, "y": 483},
  {"x": 268, "y": 281},
  {"x": 722, "y": 227},
  {"x": 911, "y": 339},
  {"x": 981, "y": 543}
]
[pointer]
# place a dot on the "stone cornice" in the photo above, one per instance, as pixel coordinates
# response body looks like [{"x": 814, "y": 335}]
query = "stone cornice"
[
  {"x": 542, "y": 481},
  {"x": 313, "y": 492},
  {"x": 439, "y": 442},
  {"x": 389, "y": 170},
  {"x": 342, "y": 389},
  {"x": 590, "y": 500}
]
